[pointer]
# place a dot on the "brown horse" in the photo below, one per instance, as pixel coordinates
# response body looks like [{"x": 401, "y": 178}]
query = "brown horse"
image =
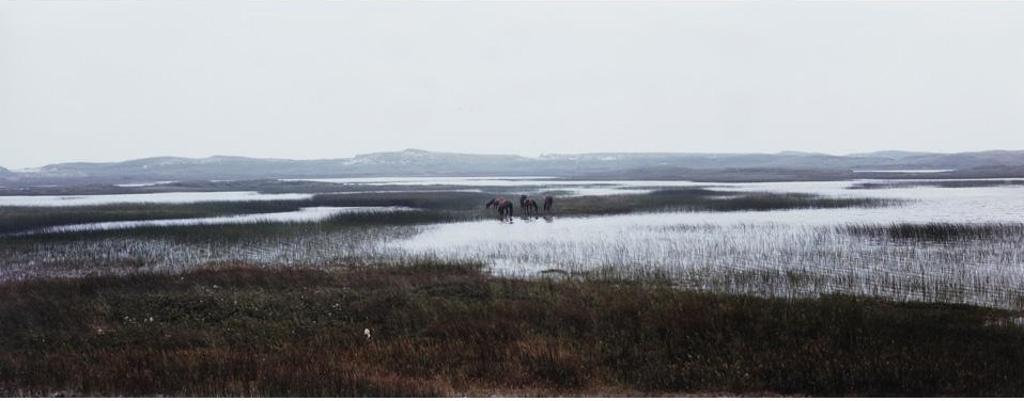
[
  {"x": 548, "y": 202},
  {"x": 527, "y": 205},
  {"x": 531, "y": 207},
  {"x": 503, "y": 206}
]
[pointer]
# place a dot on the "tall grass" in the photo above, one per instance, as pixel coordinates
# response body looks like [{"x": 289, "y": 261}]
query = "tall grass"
[
  {"x": 941, "y": 232},
  {"x": 965, "y": 183},
  {"x": 975, "y": 264},
  {"x": 178, "y": 249},
  {"x": 442, "y": 330},
  {"x": 774, "y": 260}
]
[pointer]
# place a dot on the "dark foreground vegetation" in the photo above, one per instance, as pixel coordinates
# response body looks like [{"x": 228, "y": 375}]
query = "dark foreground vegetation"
[{"x": 454, "y": 330}]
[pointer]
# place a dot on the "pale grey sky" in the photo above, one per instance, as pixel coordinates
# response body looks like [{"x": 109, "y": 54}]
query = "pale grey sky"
[{"x": 113, "y": 80}]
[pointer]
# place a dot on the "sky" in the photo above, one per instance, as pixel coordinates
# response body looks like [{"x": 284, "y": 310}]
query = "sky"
[{"x": 116, "y": 80}]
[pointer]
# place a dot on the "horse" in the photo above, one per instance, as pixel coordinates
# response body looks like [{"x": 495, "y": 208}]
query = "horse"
[
  {"x": 530, "y": 207},
  {"x": 527, "y": 205},
  {"x": 503, "y": 206},
  {"x": 548, "y": 202}
]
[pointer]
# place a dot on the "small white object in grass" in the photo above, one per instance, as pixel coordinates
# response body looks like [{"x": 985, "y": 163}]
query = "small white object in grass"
[{"x": 366, "y": 332}]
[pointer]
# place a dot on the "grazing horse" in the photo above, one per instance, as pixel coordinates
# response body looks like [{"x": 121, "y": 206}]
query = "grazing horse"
[
  {"x": 527, "y": 205},
  {"x": 530, "y": 207},
  {"x": 503, "y": 206},
  {"x": 548, "y": 201}
]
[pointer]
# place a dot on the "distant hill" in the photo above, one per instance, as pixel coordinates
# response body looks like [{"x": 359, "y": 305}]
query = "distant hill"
[
  {"x": 415, "y": 162},
  {"x": 891, "y": 154}
]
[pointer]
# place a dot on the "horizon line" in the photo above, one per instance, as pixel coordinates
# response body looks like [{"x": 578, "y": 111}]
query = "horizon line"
[{"x": 539, "y": 156}]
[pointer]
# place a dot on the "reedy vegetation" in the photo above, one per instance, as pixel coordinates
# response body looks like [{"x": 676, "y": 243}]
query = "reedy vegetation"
[
  {"x": 763, "y": 260},
  {"x": 454, "y": 330}
]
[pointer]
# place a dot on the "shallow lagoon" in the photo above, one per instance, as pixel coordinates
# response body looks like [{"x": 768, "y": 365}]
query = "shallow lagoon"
[
  {"x": 792, "y": 252},
  {"x": 532, "y": 185},
  {"x": 802, "y": 252},
  {"x": 303, "y": 215},
  {"x": 161, "y": 197}
]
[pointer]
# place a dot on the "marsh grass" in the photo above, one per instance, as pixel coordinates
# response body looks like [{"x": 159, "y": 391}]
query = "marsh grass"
[
  {"x": 940, "y": 232},
  {"x": 177, "y": 249},
  {"x": 948, "y": 183},
  {"x": 22, "y": 219},
  {"x": 449, "y": 330},
  {"x": 770, "y": 260},
  {"x": 763, "y": 260},
  {"x": 256, "y": 230},
  {"x": 18, "y": 219}
]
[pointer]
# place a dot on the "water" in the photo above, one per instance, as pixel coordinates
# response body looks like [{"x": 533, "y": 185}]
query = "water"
[
  {"x": 904, "y": 188},
  {"x": 455, "y": 181},
  {"x": 925, "y": 204},
  {"x": 144, "y": 184},
  {"x": 722, "y": 250},
  {"x": 992, "y": 204},
  {"x": 802, "y": 252},
  {"x": 163, "y": 197},
  {"x": 304, "y": 215},
  {"x": 922, "y": 171},
  {"x": 532, "y": 185},
  {"x": 468, "y": 184},
  {"x": 547, "y": 182}
]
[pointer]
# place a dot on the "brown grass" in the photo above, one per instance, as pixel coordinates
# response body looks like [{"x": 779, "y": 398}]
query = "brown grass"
[{"x": 452, "y": 330}]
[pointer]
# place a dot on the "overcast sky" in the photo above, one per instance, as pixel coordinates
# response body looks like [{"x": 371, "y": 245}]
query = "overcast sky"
[{"x": 113, "y": 80}]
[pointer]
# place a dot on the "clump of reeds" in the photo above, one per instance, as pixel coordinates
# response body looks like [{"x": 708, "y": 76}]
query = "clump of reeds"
[
  {"x": 965, "y": 183},
  {"x": 939, "y": 232}
]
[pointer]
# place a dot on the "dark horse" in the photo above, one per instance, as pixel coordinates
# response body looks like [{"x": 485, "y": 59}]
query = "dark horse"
[
  {"x": 528, "y": 206},
  {"x": 503, "y": 206},
  {"x": 548, "y": 201}
]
